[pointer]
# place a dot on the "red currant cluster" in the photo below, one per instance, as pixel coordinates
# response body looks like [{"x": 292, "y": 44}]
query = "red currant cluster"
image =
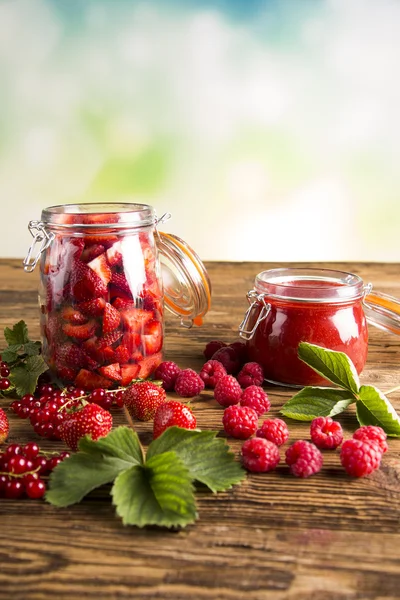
[
  {"x": 22, "y": 468},
  {"x": 48, "y": 411},
  {"x": 4, "y": 374}
]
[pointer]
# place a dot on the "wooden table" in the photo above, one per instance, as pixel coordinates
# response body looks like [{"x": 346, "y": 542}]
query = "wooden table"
[{"x": 328, "y": 537}]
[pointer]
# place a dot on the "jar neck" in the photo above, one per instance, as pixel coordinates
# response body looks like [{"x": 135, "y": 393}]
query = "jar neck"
[
  {"x": 309, "y": 285},
  {"x": 99, "y": 216}
]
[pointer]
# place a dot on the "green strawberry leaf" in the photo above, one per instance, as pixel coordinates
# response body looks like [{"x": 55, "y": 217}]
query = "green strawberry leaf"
[
  {"x": 160, "y": 493},
  {"x": 25, "y": 376},
  {"x": 208, "y": 458},
  {"x": 334, "y": 366},
  {"x": 373, "y": 408},
  {"x": 17, "y": 335},
  {"x": 95, "y": 464},
  {"x": 313, "y": 402}
]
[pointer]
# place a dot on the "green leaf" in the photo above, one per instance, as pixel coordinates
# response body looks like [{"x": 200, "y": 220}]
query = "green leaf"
[
  {"x": 17, "y": 335},
  {"x": 10, "y": 354},
  {"x": 25, "y": 376},
  {"x": 16, "y": 351},
  {"x": 121, "y": 442},
  {"x": 373, "y": 408},
  {"x": 334, "y": 366},
  {"x": 208, "y": 458},
  {"x": 95, "y": 464},
  {"x": 313, "y": 402},
  {"x": 160, "y": 493}
]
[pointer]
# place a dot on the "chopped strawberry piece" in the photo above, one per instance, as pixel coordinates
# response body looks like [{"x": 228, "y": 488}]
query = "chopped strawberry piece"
[
  {"x": 93, "y": 308},
  {"x": 65, "y": 373},
  {"x": 100, "y": 218},
  {"x": 91, "y": 252},
  {"x": 109, "y": 339},
  {"x": 52, "y": 328},
  {"x": 149, "y": 364},
  {"x": 111, "y": 372},
  {"x": 120, "y": 281},
  {"x": 152, "y": 339},
  {"x": 108, "y": 355},
  {"x": 123, "y": 303},
  {"x": 134, "y": 319},
  {"x": 111, "y": 318},
  {"x": 87, "y": 380},
  {"x": 122, "y": 354},
  {"x": 80, "y": 332},
  {"x": 117, "y": 293},
  {"x": 129, "y": 372},
  {"x": 100, "y": 267},
  {"x": 114, "y": 255},
  {"x": 86, "y": 284},
  {"x": 104, "y": 239},
  {"x": 72, "y": 315},
  {"x": 131, "y": 341},
  {"x": 71, "y": 355}
]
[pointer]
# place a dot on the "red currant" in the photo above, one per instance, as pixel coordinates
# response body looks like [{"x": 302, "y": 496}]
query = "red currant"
[
  {"x": 35, "y": 489},
  {"x": 13, "y": 489},
  {"x": 4, "y": 384},
  {"x": 31, "y": 450},
  {"x": 4, "y": 372}
]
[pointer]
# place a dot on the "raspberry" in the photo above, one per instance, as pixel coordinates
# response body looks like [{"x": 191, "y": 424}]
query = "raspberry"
[
  {"x": 326, "y": 433},
  {"x": 274, "y": 430},
  {"x": 359, "y": 457},
  {"x": 372, "y": 433},
  {"x": 229, "y": 358},
  {"x": 255, "y": 397},
  {"x": 241, "y": 350},
  {"x": 260, "y": 455},
  {"x": 188, "y": 384},
  {"x": 304, "y": 459},
  {"x": 212, "y": 347},
  {"x": 227, "y": 391},
  {"x": 251, "y": 374},
  {"x": 167, "y": 371},
  {"x": 211, "y": 372},
  {"x": 240, "y": 421}
]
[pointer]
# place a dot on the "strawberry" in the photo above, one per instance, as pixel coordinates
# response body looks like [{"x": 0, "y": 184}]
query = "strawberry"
[
  {"x": 91, "y": 252},
  {"x": 4, "y": 426},
  {"x": 109, "y": 339},
  {"x": 111, "y": 372},
  {"x": 111, "y": 318},
  {"x": 152, "y": 338},
  {"x": 91, "y": 420},
  {"x": 100, "y": 266},
  {"x": 87, "y": 380},
  {"x": 100, "y": 348},
  {"x": 129, "y": 372},
  {"x": 80, "y": 332},
  {"x": 122, "y": 354},
  {"x": 135, "y": 318},
  {"x": 114, "y": 254},
  {"x": 143, "y": 398},
  {"x": 93, "y": 308},
  {"x": 149, "y": 364},
  {"x": 173, "y": 413},
  {"x": 65, "y": 373},
  {"x": 72, "y": 315},
  {"x": 108, "y": 355},
  {"x": 85, "y": 282},
  {"x": 120, "y": 281},
  {"x": 132, "y": 342}
]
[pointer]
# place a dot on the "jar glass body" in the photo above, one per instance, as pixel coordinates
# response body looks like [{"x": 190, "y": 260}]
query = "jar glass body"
[
  {"x": 321, "y": 308},
  {"x": 101, "y": 295}
]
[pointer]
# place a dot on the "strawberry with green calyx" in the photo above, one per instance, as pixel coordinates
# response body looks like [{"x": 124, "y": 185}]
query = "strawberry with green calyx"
[
  {"x": 4, "y": 426},
  {"x": 88, "y": 419},
  {"x": 143, "y": 398},
  {"x": 173, "y": 413}
]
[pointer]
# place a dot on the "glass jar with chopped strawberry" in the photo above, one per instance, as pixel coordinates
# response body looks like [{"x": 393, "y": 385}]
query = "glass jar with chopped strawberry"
[{"x": 106, "y": 275}]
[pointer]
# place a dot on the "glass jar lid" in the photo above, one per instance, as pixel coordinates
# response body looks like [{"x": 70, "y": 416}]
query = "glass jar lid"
[
  {"x": 187, "y": 287},
  {"x": 99, "y": 215}
]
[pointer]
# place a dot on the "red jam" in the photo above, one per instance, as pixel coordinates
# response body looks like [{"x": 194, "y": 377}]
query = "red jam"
[{"x": 321, "y": 307}]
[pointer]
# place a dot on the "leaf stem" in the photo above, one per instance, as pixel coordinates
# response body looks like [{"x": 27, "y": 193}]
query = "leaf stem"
[{"x": 392, "y": 390}]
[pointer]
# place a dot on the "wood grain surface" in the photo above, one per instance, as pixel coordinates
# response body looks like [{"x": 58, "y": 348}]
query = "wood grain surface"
[{"x": 328, "y": 537}]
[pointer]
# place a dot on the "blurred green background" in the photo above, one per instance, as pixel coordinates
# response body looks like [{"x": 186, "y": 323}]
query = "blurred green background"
[{"x": 269, "y": 129}]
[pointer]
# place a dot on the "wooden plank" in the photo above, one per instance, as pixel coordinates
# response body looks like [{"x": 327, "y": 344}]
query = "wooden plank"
[{"x": 328, "y": 537}]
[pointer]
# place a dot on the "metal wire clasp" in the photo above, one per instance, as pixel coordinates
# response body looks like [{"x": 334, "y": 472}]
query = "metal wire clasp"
[
  {"x": 255, "y": 300},
  {"x": 40, "y": 236}
]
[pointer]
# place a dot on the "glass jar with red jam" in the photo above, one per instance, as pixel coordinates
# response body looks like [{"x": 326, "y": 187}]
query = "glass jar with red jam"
[
  {"x": 106, "y": 273},
  {"x": 320, "y": 306}
]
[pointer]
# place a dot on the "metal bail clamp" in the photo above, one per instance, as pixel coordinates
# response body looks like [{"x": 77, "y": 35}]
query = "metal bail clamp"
[
  {"x": 254, "y": 299},
  {"x": 40, "y": 236}
]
